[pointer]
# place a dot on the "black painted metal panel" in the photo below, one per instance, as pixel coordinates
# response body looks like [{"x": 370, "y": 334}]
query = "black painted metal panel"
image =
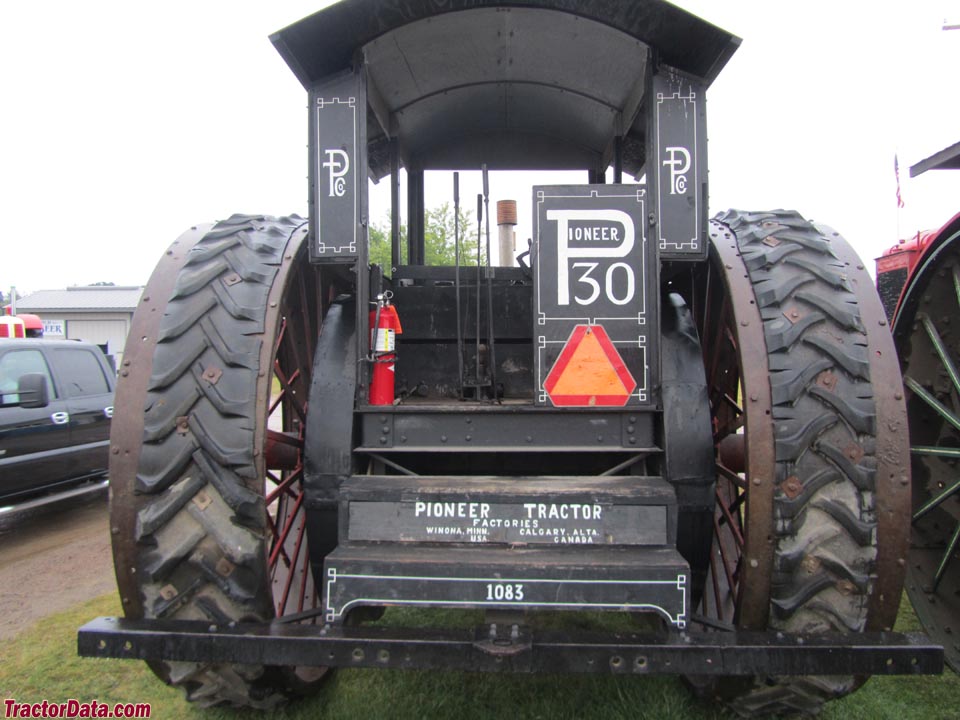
[
  {"x": 338, "y": 167},
  {"x": 593, "y": 266},
  {"x": 543, "y": 523},
  {"x": 678, "y": 188},
  {"x": 598, "y": 578},
  {"x": 325, "y": 42},
  {"x": 516, "y": 511},
  {"x": 504, "y": 428}
]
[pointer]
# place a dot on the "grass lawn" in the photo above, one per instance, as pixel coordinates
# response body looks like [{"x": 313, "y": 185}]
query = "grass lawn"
[{"x": 41, "y": 663}]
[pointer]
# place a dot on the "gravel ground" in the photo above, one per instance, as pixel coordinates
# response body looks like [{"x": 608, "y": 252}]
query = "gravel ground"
[{"x": 52, "y": 558}]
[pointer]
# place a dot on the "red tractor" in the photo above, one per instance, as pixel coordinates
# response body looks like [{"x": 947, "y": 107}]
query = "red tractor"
[{"x": 919, "y": 283}]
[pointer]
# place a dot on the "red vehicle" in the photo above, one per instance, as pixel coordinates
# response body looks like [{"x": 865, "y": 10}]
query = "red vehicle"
[
  {"x": 21, "y": 326},
  {"x": 12, "y": 327}
]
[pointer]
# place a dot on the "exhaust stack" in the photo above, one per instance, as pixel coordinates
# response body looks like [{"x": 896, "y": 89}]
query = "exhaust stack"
[{"x": 506, "y": 222}]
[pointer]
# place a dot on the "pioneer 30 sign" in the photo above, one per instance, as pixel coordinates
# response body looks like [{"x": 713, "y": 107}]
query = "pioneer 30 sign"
[{"x": 592, "y": 266}]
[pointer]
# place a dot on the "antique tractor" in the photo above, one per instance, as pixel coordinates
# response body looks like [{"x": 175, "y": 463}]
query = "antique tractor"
[
  {"x": 919, "y": 282},
  {"x": 695, "y": 423}
]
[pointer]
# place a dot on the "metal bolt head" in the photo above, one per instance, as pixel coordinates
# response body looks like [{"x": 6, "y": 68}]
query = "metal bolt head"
[
  {"x": 792, "y": 487},
  {"x": 212, "y": 374},
  {"x": 846, "y": 587},
  {"x": 202, "y": 500}
]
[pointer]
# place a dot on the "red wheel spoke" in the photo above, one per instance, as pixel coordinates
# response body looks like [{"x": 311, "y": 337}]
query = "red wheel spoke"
[
  {"x": 292, "y": 568},
  {"x": 729, "y": 566},
  {"x": 728, "y": 474},
  {"x": 304, "y": 577},
  {"x": 282, "y": 538},
  {"x": 733, "y": 404},
  {"x": 286, "y": 384},
  {"x": 275, "y": 403},
  {"x": 731, "y": 427},
  {"x": 283, "y": 554},
  {"x": 737, "y": 535},
  {"x": 717, "y": 602},
  {"x": 280, "y": 335},
  {"x": 284, "y": 486}
]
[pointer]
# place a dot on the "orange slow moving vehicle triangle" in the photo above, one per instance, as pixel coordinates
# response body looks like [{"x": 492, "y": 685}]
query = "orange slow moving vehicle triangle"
[{"x": 589, "y": 371}]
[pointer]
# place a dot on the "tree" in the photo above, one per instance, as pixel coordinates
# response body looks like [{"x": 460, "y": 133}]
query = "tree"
[{"x": 438, "y": 239}]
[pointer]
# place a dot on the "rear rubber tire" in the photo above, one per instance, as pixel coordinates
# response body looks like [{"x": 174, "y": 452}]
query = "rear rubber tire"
[
  {"x": 193, "y": 536},
  {"x": 808, "y": 505}
]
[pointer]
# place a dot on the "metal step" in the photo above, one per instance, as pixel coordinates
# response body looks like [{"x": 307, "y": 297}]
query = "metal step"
[
  {"x": 532, "y": 578},
  {"x": 555, "y": 511}
]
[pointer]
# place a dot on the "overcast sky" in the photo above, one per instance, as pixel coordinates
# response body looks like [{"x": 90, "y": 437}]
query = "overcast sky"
[{"x": 123, "y": 123}]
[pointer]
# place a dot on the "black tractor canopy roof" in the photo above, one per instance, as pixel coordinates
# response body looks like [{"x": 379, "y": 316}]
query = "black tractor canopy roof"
[{"x": 540, "y": 84}]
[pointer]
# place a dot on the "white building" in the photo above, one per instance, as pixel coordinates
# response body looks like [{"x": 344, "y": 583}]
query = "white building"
[{"x": 99, "y": 314}]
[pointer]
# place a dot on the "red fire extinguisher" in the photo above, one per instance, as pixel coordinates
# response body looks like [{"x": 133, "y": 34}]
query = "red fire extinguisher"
[{"x": 384, "y": 327}]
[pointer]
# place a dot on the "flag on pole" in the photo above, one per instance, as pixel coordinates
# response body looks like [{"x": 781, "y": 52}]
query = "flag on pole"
[{"x": 896, "y": 170}]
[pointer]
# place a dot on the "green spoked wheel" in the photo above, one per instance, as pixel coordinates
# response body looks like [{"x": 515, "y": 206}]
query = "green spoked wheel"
[{"x": 927, "y": 334}]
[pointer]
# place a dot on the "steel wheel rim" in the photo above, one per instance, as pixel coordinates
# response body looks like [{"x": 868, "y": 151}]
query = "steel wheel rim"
[
  {"x": 737, "y": 589},
  {"x": 288, "y": 557}
]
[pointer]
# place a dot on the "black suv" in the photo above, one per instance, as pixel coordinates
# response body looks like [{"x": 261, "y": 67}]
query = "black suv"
[{"x": 56, "y": 401}]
